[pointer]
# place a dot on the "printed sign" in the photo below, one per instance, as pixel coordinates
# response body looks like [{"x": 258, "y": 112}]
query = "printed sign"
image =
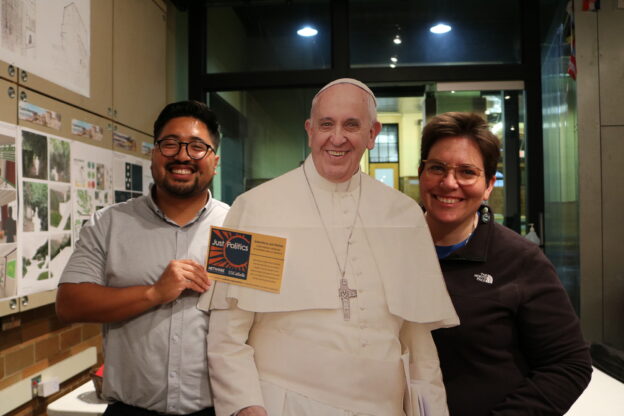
[{"x": 246, "y": 259}]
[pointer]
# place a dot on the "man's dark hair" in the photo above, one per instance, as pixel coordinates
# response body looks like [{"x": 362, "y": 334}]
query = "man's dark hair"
[
  {"x": 194, "y": 109},
  {"x": 469, "y": 125}
]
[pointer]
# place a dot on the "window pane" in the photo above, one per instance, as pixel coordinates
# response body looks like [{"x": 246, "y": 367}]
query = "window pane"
[
  {"x": 561, "y": 159},
  {"x": 263, "y": 36},
  {"x": 482, "y": 32},
  {"x": 386, "y": 148},
  {"x": 263, "y": 136}
]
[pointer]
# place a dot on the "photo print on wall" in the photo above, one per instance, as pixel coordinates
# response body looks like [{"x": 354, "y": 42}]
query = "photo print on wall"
[
  {"x": 8, "y": 212},
  {"x": 46, "y": 216}
]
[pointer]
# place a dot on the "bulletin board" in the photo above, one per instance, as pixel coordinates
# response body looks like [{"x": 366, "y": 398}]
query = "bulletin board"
[{"x": 49, "y": 187}]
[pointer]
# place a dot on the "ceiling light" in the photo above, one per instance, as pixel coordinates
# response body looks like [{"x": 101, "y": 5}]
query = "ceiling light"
[
  {"x": 394, "y": 59},
  {"x": 307, "y": 32},
  {"x": 440, "y": 28},
  {"x": 392, "y": 65},
  {"x": 397, "y": 40}
]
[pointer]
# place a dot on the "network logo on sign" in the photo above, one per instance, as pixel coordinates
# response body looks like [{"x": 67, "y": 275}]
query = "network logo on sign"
[{"x": 229, "y": 253}]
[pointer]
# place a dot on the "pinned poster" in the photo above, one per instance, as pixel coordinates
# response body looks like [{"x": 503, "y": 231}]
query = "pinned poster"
[
  {"x": 92, "y": 182},
  {"x": 246, "y": 259},
  {"x": 8, "y": 212},
  {"x": 131, "y": 176},
  {"x": 45, "y": 218}
]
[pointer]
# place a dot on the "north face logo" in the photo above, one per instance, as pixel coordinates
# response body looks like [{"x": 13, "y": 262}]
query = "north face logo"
[{"x": 484, "y": 277}]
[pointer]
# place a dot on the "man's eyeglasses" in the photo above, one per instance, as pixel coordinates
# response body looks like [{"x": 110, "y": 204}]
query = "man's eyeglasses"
[
  {"x": 195, "y": 150},
  {"x": 464, "y": 174}
]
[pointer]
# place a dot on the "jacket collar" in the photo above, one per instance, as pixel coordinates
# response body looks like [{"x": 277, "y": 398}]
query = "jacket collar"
[{"x": 477, "y": 247}]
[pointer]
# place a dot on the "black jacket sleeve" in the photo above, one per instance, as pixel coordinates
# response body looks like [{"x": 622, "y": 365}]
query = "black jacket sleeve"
[{"x": 550, "y": 336}]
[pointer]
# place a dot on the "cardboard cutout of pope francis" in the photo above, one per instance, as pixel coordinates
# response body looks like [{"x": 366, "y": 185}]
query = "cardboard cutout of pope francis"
[{"x": 349, "y": 332}]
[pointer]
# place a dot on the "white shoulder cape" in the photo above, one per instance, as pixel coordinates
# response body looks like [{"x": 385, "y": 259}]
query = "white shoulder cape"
[{"x": 395, "y": 227}]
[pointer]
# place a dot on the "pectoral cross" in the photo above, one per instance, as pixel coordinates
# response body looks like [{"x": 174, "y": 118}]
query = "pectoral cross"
[{"x": 345, "y": 294}]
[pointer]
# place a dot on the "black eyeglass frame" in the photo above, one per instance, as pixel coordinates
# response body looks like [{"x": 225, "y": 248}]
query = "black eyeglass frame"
[{"x": 209, "y": 148}]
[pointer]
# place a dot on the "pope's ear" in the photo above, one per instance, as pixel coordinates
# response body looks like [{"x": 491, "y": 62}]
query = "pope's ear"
[
  {"x": 375, "y": 129},
  {"x": 308, "y": 129}
]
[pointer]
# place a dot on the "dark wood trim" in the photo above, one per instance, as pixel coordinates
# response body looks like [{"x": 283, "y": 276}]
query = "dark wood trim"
[
  {"x": 316, "y": 78},
  {"x": 531, "y": 57},
  {"x": 197, "y": 50}
]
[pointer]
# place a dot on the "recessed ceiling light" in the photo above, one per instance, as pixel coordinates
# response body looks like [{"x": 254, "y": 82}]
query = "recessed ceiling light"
[
  {"x": 394, "y": 59},
  {"x": 392, "y": 65},
  {"x": 397, "y": 40},
  {"x": 440, "y": 28},
  {"x": 307, "y": 32}
]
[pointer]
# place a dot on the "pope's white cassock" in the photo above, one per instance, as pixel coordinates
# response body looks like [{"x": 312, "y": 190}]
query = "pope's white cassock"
[{"x": 294, "y": 352}]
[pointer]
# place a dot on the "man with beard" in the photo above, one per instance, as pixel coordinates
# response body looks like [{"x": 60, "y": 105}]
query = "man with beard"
[{"x": 138, "y": 269}]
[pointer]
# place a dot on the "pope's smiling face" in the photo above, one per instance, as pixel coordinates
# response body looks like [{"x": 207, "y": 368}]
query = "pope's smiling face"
[
  {"x": 180, "y": 176},
  {"x": 342, "y": 125}
]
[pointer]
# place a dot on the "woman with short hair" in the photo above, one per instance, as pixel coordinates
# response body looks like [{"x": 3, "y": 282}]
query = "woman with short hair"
[{"x": 518, "y": 349}]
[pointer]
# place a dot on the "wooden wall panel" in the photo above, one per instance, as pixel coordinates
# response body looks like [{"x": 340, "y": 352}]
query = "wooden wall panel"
[
  {"x": 8, "y": 71},
  {"x": 610, "y": 35},
  {"x": 139, "y": 62},
  {"x": 8, "y": 101},
  {"x": 613, "y": 229}
]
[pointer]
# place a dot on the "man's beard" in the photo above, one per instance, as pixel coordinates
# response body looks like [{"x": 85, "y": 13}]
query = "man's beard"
[
  {"x": 183, "y": 190},
  {"x": 180, "y": 189}
]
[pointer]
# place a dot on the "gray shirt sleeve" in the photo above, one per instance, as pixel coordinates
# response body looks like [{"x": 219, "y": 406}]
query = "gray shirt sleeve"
[{"x": 87, "y": 263}]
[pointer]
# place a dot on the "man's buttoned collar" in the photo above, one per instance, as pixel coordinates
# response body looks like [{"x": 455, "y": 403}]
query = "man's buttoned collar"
[{"x": 151, "y": 203}]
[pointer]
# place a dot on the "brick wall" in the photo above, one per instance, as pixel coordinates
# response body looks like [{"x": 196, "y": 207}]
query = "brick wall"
[{"x": 40, "y": 341}]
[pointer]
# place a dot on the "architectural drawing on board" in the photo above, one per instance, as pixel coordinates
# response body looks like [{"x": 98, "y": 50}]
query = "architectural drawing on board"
[
  {"x": 49, "y": 38},
  {"x": 19, "y": 25},
  {"x": 74, "y": 34},
  {"x": 11, "y": 24}
]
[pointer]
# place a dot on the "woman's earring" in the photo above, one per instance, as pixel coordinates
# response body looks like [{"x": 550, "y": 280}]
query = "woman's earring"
[{"x": 485, "y": 214}]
